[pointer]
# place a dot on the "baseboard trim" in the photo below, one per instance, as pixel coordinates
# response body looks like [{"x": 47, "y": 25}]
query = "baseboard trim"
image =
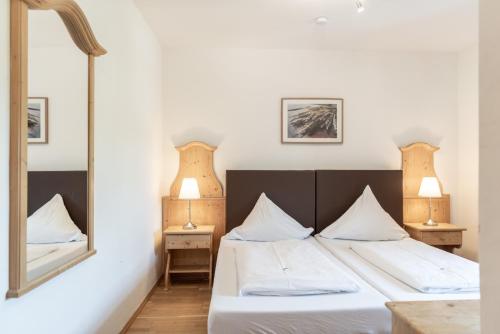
[{"x": 139, "y": 309}]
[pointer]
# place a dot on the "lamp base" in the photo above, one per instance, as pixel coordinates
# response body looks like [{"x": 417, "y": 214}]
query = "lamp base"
[
  {"x": 430, "y": 222},
  {"x": 189, "y": 226}
]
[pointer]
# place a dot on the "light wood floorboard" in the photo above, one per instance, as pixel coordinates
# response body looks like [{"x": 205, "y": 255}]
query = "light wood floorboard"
[{"x": 183, "y": 309}]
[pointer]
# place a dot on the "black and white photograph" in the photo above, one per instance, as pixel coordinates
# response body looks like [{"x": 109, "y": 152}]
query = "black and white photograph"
[
  {"x": 307, "y": 120},
  {"x": 38, "y": 120}
]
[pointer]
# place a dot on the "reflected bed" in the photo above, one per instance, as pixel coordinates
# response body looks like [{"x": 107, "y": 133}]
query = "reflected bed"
[
  {"x": 43, "y": 258},
  {"x": 53, "y": 256}
]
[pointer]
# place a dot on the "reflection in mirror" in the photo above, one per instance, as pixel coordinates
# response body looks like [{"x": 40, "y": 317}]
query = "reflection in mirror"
[{"x": 57, "y": 146}]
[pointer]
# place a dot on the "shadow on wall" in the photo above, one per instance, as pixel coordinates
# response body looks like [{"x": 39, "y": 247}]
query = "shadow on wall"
[
  {"x": 416, "y": 134},
  {"x": 197, "y": 134}
]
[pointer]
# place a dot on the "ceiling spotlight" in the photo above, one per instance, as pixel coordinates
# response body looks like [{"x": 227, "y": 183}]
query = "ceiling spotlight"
[
  {"x": 321, "y": 20},
  {"x": 359, "y": 6}
]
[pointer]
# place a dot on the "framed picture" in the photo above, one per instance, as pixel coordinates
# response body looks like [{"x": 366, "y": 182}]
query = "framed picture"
[
  {"x": 38, "y": 120},
  {"x": 312, "y": 120}
]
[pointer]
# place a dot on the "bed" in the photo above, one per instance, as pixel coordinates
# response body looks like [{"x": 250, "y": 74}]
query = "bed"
[
  {"x": 53, "y": 255},
  {"x": 391, "y": 287},
  {"x": 387, "y": 187},
  {"x": 42, "y": 186},
  {"x": 294, "y": 192}
]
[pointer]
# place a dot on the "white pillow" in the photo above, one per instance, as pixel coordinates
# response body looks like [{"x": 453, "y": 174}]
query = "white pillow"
[
  {"x": 267, "y": 222},
  {"x": 365, "y": 220},
  {"x": 51, "y": 223}
]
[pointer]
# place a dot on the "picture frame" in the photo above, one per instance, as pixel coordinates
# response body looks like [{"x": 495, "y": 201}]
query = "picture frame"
[
  {"x": 38, "y": 120},
  {"x": 312, "y": 120}
]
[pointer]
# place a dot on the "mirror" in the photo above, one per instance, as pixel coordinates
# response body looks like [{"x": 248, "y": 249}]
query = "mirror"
[
  {"x": 51, "y": 140},
  {"x": 57, "y": 146}
]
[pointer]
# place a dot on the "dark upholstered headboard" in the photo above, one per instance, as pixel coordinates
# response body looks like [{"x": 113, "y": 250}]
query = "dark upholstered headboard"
[
  {"x": 72, "y": 185},
  {"x": 336, "y": 191},
  {"x": 292, "y": 191},
  {"x": 314, "y": 198}
]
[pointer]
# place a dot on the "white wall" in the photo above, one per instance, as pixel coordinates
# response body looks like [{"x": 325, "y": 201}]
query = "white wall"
[
  {"x": 64, "y": 82},
  {"x": 467, "y": 199},
  {"x": 489, "y": 163},
  {"x": 100, "y": 294},
  {"x": 231, "y": 98}
]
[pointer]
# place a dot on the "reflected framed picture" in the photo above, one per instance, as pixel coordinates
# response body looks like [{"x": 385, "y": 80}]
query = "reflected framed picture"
[
  {"x": 38, "y": 120},
  {"x": 312, "y": 120}
]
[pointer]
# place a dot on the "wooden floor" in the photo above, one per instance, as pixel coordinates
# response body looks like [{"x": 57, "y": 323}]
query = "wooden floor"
[{"x": 182, "y": 309}]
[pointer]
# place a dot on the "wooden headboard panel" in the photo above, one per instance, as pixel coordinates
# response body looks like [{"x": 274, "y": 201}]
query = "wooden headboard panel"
[
  {"x": 293, "y": 191},
  {"x": 72, "y": 185},
  {"x": 336, "y": 191}
]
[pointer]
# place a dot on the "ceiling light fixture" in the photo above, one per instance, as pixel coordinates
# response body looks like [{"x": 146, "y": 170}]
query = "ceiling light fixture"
[
  {"x": 322, "y": 20},
  {"x": 359, "y": 6}
]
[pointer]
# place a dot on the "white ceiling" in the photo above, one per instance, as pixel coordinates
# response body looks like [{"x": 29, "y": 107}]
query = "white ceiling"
[{"x": 423, "y": 25}]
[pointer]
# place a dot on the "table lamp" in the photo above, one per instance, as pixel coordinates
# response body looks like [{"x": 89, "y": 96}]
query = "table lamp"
[
  {"x": 430, "y": 188},
  {"x": 189, "y": 191}
]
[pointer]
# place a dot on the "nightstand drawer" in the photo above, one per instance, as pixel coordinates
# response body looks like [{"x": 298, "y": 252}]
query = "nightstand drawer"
[
  {"x": 442, "y": 238},
  {"x": 187, "y": 241}
]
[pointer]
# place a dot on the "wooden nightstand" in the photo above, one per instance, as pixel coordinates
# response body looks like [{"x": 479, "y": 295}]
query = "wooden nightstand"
[
  {"x": 188, "y": 251},
  {"x": 444, "y": 236}
]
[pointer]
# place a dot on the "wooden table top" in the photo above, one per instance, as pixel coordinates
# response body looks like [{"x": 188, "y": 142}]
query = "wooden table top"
[
  {"x": 439, "y": 317},
  {"x": 201, "y": 229},
  {"x": 437, "y": 228}
]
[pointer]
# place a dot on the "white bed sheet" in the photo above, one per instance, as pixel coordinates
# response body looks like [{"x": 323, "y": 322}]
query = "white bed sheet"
[
  {"x": 391, "y": 287},
  {"x": 65, "y": 252},
  {"x": 360, "y": 312}
]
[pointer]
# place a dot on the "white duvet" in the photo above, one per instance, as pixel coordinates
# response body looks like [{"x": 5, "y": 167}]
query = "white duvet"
[
  {"x": 288, "y": 268},
  {"x": 425, "y": 268}
]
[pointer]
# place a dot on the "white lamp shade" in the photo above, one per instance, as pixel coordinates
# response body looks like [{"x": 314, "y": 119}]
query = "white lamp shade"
[
  {"x": 429, "y": 187},
  {"x": 189, "y": 189}
]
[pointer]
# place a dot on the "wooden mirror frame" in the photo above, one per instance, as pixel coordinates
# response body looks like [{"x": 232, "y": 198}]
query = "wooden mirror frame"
[{"x": 82, "y": 35}]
